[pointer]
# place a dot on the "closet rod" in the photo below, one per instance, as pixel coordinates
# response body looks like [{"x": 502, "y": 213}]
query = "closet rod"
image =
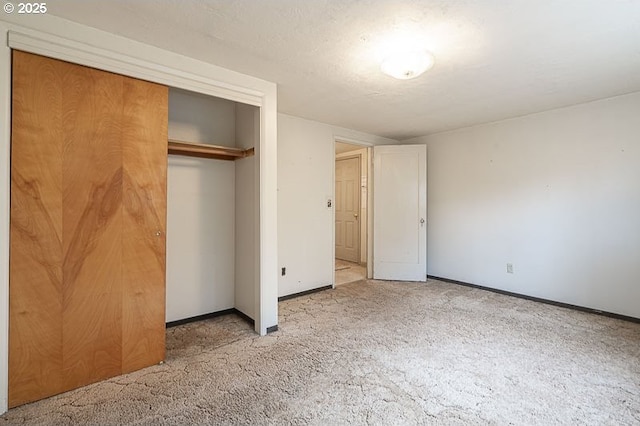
[{"x": 208, "y": 151}]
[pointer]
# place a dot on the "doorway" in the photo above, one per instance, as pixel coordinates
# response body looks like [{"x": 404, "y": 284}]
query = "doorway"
[{"x": 351, "y": 212}]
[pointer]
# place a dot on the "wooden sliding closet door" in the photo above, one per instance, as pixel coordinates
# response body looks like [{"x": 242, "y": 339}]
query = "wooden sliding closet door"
[{"x": 88, "y": 215}]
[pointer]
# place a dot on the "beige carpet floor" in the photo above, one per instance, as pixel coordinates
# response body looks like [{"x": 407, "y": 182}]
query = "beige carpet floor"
[{"x": 378, "y": 353}]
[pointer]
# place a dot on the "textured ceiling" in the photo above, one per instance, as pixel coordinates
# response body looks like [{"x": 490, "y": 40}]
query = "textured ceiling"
[{"x": 494, "y": 58}]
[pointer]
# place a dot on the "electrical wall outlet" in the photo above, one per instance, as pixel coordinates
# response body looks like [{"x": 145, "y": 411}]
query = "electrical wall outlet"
[
  {"x": 509, "y": 268},
  {"x": 284, "y": 271}
]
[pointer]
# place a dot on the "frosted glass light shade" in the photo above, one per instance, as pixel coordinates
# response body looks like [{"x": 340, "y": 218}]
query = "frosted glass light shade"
[{"x": 407, "y": 65}]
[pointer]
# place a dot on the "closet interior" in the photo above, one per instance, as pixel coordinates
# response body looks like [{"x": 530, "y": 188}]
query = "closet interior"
[{"x": 211, "y": 206}]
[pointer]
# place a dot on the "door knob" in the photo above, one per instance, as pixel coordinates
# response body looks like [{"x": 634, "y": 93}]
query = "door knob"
[
  {"x": 158, "y": 233},
  {"x": 355, "y": 215},
  {"x": 421, "y": 221}
]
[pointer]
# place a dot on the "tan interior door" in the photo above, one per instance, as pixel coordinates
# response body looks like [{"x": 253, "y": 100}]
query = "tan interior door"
[
  {"x": 348, "y": 209},
  {"x": 88, "y": 218}
]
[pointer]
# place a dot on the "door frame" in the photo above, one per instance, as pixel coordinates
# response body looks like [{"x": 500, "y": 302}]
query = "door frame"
[
  {"x": 60, "y": 39},
  {"x": 369, "y": 236},
  {"x": 358, "y": 157}
]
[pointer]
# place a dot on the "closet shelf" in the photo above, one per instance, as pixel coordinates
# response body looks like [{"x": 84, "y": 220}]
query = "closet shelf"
[{"x": 208, "y": 151}]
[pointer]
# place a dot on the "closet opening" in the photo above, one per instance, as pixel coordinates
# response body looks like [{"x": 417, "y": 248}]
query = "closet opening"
[
  {"x": 212, "y": 208},
  {"x": 96, "y": 230}
]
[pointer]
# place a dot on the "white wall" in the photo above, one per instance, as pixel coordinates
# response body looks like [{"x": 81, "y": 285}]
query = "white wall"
[
  {"x": 306, "y": 162},
  {"x": 194, "y": 117},
  {"x": 200, "y": 209},
  {"x": 247, "y": 125},
  {"x": 200, "y": 236},
  {"x": 557, "y": 194},
  {"x": 5, "y": 185}
]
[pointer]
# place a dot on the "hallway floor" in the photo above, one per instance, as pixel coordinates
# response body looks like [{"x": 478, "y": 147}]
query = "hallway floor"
[{"x": 348, "y": 272}]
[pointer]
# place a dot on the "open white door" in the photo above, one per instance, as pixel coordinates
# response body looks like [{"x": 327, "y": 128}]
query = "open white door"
[{"x": 400, "y": 212}]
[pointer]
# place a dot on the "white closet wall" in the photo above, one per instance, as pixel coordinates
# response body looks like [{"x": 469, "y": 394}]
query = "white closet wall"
[
  {"x": 201, "y": 209},
  {"x": 198, "y": 118},
  {"x": 247, "y": 216}
]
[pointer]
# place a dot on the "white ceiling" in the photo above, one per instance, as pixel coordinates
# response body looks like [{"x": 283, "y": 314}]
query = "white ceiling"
[{"x": 494, "y": 58}]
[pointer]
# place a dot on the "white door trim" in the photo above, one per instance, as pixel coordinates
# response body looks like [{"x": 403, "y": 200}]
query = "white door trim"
[
  {"x": 169, "y": 69},
  {"x": 119, "y": 63}
]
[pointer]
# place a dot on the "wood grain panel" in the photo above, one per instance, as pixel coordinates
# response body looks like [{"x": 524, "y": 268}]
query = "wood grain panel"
[
  {"x": 92, "y": 223},
  {"x": 35, "y": 292},
  {"x": 144, "y": 223},
  {"x": 87, "y": 284}
]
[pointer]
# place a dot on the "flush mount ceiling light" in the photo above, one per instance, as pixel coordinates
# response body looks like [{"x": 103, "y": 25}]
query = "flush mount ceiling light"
[{"x": 407, "y": 65}]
